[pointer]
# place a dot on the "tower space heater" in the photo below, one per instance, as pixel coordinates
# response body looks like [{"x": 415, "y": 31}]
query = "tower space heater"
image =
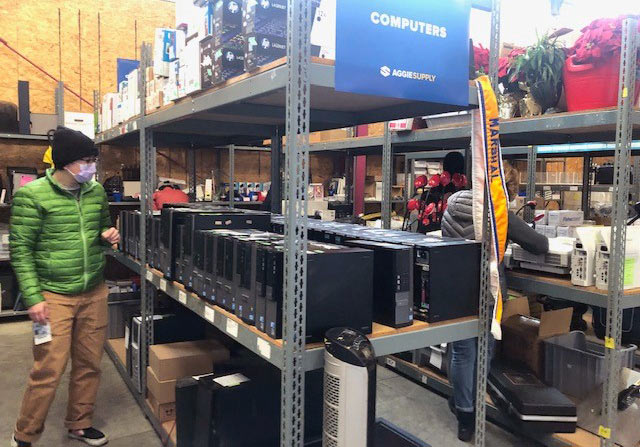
[{"x": 349, "y": 389}]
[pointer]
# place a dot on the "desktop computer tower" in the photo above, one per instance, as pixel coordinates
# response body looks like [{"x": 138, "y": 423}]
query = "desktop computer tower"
[
  {"x": 171, "y": 243},
  {"x": 446, "y": 279},
  {"x": 154, "y": 259},
  {"x": 392, "y": 282},
  {"x": 134, "y": 223},
  {"x": 122, "y": 228},
  {"x": 339, "y": 290},
  {"x": 240, "y": 406},
  {"x": 245, "y": 262},
  {"x": 263, "y": 263}
]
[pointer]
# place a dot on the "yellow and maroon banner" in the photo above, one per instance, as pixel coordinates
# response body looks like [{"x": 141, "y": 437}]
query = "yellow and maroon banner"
[{"x": 488, "y": 173}]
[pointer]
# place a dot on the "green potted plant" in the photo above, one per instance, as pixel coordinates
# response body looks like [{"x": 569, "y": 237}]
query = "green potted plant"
[{"x": 540, "y": 69}]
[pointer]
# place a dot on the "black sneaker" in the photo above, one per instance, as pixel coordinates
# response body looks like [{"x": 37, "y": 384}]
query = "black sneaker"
[
  {"x": 466, "y": 425},
  {"x": 16, "y": 443},
  {"x": 89, "y": 436}
]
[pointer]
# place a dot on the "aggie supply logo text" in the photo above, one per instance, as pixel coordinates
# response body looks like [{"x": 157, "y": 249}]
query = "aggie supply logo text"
[{"x": 406, "y": 74}]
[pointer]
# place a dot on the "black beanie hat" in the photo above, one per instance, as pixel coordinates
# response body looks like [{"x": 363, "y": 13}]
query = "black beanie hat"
[{"x": 69, "y": 145}]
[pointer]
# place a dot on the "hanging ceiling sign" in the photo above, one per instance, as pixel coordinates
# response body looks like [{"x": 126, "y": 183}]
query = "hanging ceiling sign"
[{"x": 412, "y": 49}]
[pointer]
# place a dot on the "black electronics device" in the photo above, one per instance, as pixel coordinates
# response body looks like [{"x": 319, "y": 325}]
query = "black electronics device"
[
  {"x": 229, "y": 402},
  {"x": 186, "y": 404},
  {"x": 339, "y": 290},
  {"x": 123, "y": 225},
  {"x": 389, "y": 435},
  {"x": 446, "y": 279},
  {"x": 392, "y": 282},
  {"x": 531, "y": 405},
  {"x": 222, "y": 218},
  {"x": 246, "y": 266}
]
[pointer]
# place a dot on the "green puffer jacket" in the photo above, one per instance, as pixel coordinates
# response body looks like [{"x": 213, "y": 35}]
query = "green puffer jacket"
[{"x": 55, "y": 238}]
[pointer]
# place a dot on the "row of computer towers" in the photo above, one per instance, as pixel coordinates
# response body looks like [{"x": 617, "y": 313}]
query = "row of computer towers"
[{"x": 355, "y": 276}]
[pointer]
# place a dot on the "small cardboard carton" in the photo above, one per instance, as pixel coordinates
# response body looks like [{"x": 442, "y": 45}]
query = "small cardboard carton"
[
  {"x": 164, "y": 412},
  {"x": 522, "y": 334},
  {"x": 189, "y": 358},
  {"x": 164, "y": 391}
]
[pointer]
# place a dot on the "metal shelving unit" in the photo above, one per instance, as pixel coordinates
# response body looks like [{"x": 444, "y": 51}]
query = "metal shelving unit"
[
  {"x": 385, "y": 340},
  {"x": 13, "y": 313},
  {"x": 621, "y": 124},
  {"x": 295, "y": 95},
  {"x": 18, "y": 136}
]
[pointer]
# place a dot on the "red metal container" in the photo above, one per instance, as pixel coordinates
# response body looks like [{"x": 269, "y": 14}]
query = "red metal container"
[{"x": 591, "y": 86}]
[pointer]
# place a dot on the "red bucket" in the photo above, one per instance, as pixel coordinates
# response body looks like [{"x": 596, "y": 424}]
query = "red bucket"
[{"x": 589, "y": 86}]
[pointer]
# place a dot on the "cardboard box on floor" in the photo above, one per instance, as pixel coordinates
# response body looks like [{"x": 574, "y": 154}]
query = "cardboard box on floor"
[
  {"x": 163, "y": 391},
  {"x": 164, "y": 412},
  {"x": 190, "y": 358},
  {"x": 522, "y": 334}
]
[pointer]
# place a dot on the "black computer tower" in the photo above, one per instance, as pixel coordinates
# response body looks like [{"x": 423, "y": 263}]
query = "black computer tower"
[
  {"x": 339, "y": 290},
  {"x": 123, "y": 220},
  {"x": 262, "y": 261},
  {"x": 222, "y": 218},
  {"x": 446, "y": 279},
  {"x": 154, "y": 259},
  {"x": 241, "y": 407},
  {"x": 392, "y": 282}
]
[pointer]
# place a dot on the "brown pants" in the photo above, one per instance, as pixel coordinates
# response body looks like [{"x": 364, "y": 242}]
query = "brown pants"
[{"x": 78, "y": 329}]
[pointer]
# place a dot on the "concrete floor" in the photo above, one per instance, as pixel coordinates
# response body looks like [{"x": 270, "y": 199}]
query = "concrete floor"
[{"x": 401, "y": 401}]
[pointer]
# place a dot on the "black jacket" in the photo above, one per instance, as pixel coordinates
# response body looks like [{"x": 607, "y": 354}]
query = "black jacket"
[{"x": 458, "y": 222}]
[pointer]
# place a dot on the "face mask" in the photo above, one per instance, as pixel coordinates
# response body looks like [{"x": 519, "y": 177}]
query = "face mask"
[{"x": 86, "y": 173}]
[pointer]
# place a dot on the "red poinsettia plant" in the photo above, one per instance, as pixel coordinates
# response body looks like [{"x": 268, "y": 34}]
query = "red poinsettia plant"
[
  {"x": 481, "y": 59},
  {"x": 506, "y": 74},
  {"x": 600, "y": 40}
]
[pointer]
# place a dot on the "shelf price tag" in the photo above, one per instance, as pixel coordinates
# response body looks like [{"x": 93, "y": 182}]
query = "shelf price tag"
[
  {"x": 604, "y": 432},
  {"x": 424, "y": 379},
  {"x": 182, "y": 297},
  {"x": 609, "y": 343},
  {"x": 264, "y": 348},
  {"x": 149, "y": 276},
  {"x": 232, "y": 328},
  {"x": 573, "y": 188},
  {"x": 163, "y": 285},
  {"x": 390, "y": 362},
  {"x": 209, "y": 314}
]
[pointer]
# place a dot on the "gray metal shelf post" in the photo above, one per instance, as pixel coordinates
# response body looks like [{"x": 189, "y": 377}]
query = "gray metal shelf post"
[
  {"x": 147, "y": 181},
  {"x": 191, "y": 159},
  {"x": 484, "y": 321},
  {"x": 96, "y": 116},
  {"x": 532, "y": 155},
  {"x": 620, "y": 200},
  {"x": 232, "y": 167},
  {"x": 387, "y": 172},
  {"x": 586, "y": 186},
  {"x": 276, "y": 173},
  {"x": 636, "y": 179},
  {"x": 298, "y": 102}
]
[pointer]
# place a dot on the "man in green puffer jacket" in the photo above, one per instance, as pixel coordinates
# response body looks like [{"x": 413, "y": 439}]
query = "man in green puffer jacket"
[{"x": 60, "y": 226}]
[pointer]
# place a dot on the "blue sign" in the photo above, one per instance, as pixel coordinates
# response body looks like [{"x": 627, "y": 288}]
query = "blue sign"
[{"x": 412, "y": 49}]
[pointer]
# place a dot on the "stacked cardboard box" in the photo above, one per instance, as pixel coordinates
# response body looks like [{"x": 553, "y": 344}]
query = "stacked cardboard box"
[{"x": 173, "y": 361}]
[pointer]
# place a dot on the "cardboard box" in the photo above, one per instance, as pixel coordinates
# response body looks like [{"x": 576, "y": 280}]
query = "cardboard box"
[
  {"x": 189, "y": 358},
  {"x": 522, "y": 334},
  {"x": 164, "y": 412},
  {"x": 567, "y": 232},
  {"x": 566, "y": 218},
  {"x": 164, "y": 391}
]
